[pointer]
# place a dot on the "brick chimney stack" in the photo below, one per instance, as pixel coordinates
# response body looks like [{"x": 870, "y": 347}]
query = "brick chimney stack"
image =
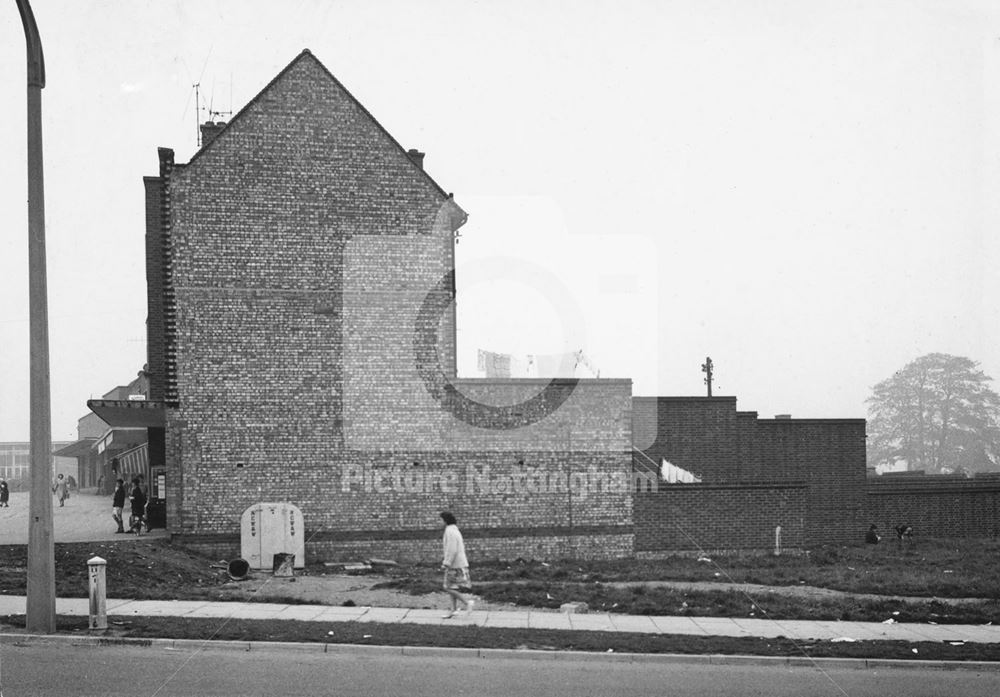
[
  {"x": 209, "y": 130},
  {"x": 417, "y": 157}
]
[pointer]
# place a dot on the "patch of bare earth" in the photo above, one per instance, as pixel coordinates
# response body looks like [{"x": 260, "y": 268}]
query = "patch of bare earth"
[{"x": 325, "y": 589}]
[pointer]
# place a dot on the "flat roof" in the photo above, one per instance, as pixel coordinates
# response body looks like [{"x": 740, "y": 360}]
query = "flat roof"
[
  {"x": 80, "y": 447},
  {"x": 129, "y": 413}
]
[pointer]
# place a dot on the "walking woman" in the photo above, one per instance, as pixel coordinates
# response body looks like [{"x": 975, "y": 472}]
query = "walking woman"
[
  {"x": 457, "y": 583},
  {"x": 61, "y": 489}
]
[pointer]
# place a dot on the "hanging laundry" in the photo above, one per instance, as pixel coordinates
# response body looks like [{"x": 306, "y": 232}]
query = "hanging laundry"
[
  {"x": 494, "y": 365},
  {"x": 556, "y": 365},
  {"x": 523, "y": 367}
]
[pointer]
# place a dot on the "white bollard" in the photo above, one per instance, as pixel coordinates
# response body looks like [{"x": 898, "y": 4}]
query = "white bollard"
[
  {"x": 777, "y": 541},
  {"x": 98, "y": 593}
]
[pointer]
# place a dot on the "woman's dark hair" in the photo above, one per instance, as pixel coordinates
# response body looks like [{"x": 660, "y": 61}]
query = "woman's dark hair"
[{"x": 448, "y": 518}]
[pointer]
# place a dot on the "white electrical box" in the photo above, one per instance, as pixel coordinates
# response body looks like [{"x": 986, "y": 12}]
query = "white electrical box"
[{"x": 267, "y": 529}]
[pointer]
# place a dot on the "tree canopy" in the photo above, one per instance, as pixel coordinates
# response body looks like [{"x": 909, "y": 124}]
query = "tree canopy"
[{"x": 938, "y": 414}]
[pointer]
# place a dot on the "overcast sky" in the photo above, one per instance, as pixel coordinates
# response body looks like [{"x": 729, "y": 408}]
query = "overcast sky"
[{"x": 804, "y": 191}]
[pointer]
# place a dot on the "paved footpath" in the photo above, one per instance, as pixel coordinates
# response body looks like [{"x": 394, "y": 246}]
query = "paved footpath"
[{"x": 532, "y": 619}]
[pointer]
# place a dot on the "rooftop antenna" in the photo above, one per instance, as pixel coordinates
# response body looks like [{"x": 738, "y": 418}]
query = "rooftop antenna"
[
  {"x": 197, "y": 98},
  {"x": 197, "y": 113},
  {"x": 212, "y": 113},
  {"x": 707, "y": 368}
]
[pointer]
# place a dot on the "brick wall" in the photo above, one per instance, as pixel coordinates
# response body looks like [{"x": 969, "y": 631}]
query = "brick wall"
[
  {"x": 829, "y": 454},
  {"x": 480, "y": 546},
  {"x": 935, "y": 506},
  {"x": 710, "y": 438},
  {"x": 155, "y": 285},
  {"x": 91, "y": 426},
  {"x": 559, "y": 487},
  {"x": 697, "y": 434},
  {"x": 714, "y": 517},
  {"x": 309, "y": 262},
  {"x": 750, "y": 466}
]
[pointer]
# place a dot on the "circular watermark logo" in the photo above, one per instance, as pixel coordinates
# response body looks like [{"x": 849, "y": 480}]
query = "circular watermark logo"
[{"x": 427, "y": 358}]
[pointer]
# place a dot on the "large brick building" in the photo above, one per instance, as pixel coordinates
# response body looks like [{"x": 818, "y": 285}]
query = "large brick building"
[
  {"x": 302, "y": 350},
  {"x": 301, "y": 329}
]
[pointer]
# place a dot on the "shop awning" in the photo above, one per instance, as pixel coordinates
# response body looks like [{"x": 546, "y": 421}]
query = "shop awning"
[
  {"x": 134, "y": 461},
  {"x": 129, "y": 413},
  {"x": 77, "y": 449},
  {"x": 120, "y": 438}
]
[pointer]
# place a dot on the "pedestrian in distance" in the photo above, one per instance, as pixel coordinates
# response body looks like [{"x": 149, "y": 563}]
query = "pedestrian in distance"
[
  {"x": 61, "y": 489},
  {"x": 457, "y": 583},
  {"x": 118, "y": 504},
  {"x": 872, "y": 537},
  {"x": 145, "y": 495},
  {"x": 904, "y": 533},
  {"x": 138, "y": 501},
  {"x": 4, "y": 494}
]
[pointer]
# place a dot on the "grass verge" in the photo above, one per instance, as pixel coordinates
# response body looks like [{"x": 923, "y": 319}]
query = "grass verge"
[
  {"x": 658, "y": 600},
  {"x": 375, "y": 634},
  {"x": 950, "y": 568}
]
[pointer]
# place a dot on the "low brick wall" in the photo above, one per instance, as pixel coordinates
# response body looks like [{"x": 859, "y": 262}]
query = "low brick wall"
[
  {"x": 713, "y": 517},
  {"x": 935, "y": 506},
  {"x": 585, "y": 542}
]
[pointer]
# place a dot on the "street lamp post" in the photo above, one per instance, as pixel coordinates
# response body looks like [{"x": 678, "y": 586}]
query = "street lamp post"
[{"x": 41, "y": 606}]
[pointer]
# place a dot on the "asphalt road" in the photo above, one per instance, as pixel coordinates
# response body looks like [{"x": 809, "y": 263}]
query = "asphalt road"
[{"x": 63, "y": 670}]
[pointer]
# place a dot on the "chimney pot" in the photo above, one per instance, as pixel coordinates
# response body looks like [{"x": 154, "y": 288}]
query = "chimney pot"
[
  {"x": 417, "y": 157},
  {"x": 210, "y": 130}
]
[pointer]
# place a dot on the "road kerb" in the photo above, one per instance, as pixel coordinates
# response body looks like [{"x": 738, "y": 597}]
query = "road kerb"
[{"x": 522, "y": 654}]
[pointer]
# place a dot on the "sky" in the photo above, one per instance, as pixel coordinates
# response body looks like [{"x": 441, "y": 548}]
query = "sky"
[{"x": 804, "y": 192}]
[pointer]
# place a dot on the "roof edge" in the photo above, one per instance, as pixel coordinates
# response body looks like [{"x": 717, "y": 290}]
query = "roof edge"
[{"x": 302, "y": 55}]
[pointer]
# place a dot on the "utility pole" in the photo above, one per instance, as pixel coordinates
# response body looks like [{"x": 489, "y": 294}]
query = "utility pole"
[
  {"x": 706, "y": 368},
  {"x": 41, "y": 605}
]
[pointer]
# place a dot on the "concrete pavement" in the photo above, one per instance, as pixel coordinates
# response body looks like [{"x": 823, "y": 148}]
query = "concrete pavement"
[
  {"x": 86, "y": 517},
  {"x": 533, "y": 619}
]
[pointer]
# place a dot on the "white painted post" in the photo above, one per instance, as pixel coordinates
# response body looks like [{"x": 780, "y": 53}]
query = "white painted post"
[
  {"x": 777, "y": 541},
  {"x": 98, "y": 593}
]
